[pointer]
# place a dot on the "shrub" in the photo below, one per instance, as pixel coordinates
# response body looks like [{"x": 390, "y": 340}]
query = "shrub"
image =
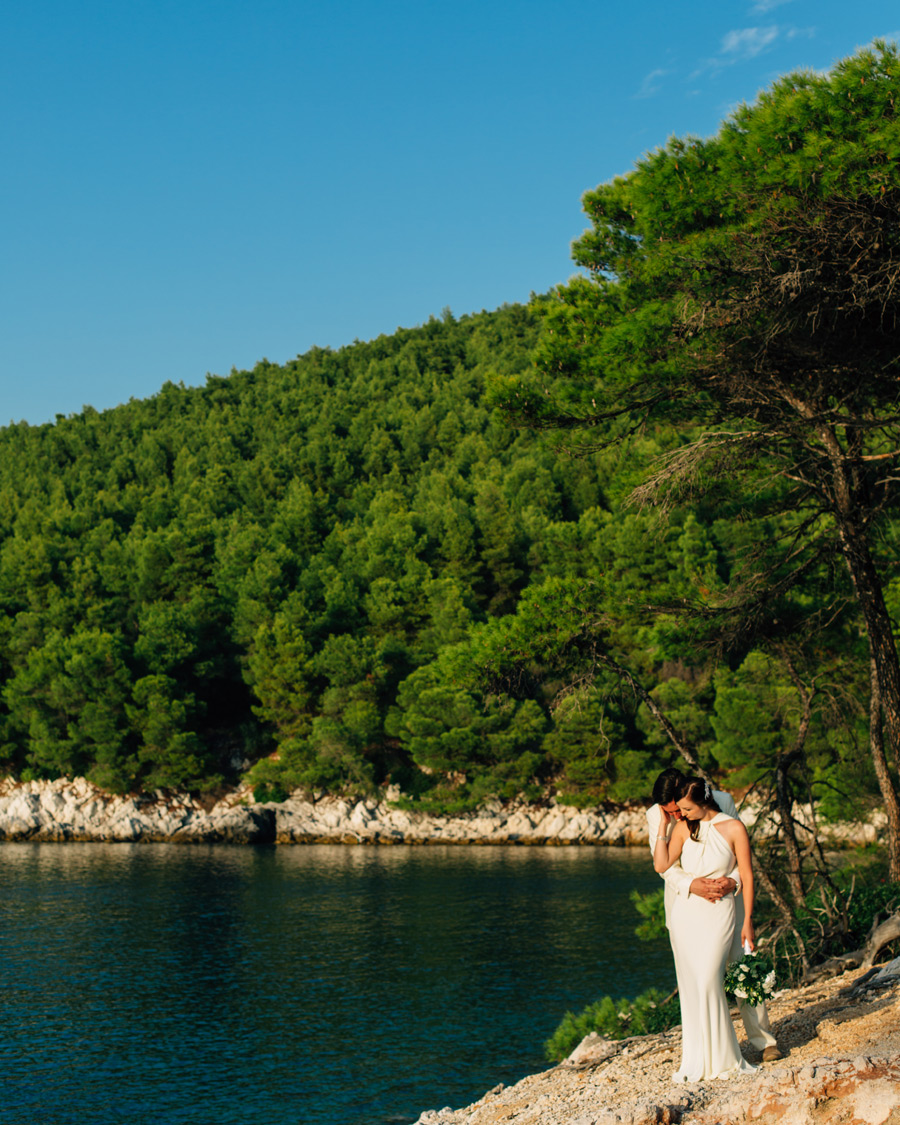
[
  {"x": 269, "y": 791},
  {"x": 651, "y": 908},
  {"x": 834, "y": 922},
  {"x": 647, "y": 1014}
]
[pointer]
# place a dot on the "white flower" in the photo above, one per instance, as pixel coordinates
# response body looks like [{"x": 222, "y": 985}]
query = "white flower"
[
  {"x": 739, "y": 992},
  {"x": 769, "y": 982}
]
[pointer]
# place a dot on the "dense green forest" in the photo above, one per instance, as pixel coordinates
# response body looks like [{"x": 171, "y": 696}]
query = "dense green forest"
[
  {"x": 255, "y": 568},
  {"x": 320, "y": 567},
  {"x": 360, "y": 569}
]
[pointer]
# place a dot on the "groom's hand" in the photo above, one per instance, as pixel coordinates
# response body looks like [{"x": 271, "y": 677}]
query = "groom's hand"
[{"x": 712, "y": 889}]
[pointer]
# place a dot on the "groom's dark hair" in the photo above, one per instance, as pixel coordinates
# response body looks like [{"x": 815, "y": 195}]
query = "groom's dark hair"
[{"x": 667, "y": 786}]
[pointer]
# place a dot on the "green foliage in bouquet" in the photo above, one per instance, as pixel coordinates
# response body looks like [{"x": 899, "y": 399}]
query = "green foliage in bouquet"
[{"x": 751, "y": 979}]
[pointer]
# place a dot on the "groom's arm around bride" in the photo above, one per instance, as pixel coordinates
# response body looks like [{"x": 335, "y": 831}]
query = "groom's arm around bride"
[
  {"x": 665, "y": 792},
  {"x": 678, "y": 882}
]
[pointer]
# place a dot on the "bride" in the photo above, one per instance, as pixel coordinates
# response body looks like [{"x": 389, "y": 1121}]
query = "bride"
[{"x": 709, "y": 844}]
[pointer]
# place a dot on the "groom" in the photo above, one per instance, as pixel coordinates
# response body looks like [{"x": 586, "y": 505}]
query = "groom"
[{"x": 678, "y": 882}]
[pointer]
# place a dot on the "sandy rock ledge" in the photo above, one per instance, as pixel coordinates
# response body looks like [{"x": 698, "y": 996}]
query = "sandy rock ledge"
[{"x": 840, "y": 1038}]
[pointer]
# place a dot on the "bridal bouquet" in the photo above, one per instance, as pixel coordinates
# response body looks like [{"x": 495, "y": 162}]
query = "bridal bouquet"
[{"x": 751, "y": 979}]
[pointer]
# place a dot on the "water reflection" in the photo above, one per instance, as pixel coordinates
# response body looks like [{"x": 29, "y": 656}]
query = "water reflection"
[{"x": 329, "y": 985}]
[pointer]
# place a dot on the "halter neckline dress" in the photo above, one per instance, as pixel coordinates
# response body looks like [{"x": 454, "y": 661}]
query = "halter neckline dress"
[{"x": 701, "y": 933}]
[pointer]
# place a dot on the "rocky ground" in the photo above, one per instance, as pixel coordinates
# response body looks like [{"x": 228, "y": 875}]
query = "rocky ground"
[
  {"x": 76, "y": 810},
  {"x": 841, "y": 1044}
]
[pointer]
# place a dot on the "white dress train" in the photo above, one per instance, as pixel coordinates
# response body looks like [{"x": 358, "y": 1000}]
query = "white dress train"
[{"x": 701, "y": 933}]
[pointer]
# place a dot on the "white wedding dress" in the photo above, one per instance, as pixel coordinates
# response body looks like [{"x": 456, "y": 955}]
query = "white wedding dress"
[{"x": 701, "y": 933}]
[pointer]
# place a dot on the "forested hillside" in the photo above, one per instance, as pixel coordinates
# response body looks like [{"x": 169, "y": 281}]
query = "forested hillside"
[
  {"x": 319, "y": 568},
  {"x": 354, "y": 570},
  {"x": 199, "y": 580}
]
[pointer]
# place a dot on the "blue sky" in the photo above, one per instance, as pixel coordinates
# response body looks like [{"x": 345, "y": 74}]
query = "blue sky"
[{"x": 192, "y": 186}]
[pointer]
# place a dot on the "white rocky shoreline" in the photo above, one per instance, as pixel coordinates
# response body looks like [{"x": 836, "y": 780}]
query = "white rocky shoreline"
[{"x": 63, "y": 810}]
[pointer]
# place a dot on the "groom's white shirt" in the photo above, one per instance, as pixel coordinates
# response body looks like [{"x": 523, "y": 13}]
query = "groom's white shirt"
[{"x": 677, "y": 880}]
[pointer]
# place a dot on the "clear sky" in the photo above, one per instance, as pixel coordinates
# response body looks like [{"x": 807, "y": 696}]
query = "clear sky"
[{"x": 192, "y": 185}]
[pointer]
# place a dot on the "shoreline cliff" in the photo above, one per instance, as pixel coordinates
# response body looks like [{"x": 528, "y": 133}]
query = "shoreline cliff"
[
  {"x": 841, "y": 1043},
  {"x": 76, "y": 811}
]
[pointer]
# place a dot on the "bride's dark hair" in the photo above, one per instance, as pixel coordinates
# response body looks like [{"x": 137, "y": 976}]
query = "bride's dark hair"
[{"x": 700, "y": 792}]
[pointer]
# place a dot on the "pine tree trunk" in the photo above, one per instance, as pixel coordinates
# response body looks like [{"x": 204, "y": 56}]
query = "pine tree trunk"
[
  {"x": 848, "y": 498},
  {"x": 784, "y": 796},
  {"x": 882, "y": 772},
  {"x": 784, "y": 802},
  {"x": 885, "y": 676}
]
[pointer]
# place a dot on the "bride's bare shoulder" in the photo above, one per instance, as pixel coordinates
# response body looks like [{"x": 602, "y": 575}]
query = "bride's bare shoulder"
[{"x": 731, "y": 827}]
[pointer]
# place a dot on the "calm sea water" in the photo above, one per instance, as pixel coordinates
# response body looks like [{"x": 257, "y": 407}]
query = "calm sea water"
[{"x": 316, "y": 985}]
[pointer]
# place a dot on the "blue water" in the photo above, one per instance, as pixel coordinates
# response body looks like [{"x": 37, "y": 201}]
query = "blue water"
[{"x": 316, "y": 985}]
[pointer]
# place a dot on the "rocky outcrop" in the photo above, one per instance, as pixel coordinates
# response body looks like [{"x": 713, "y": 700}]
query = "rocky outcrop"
[
  {"x": 827, "y": 1091},
  {"x": 300, "y": 820},
  {"x": 841, "y": 1041},
  {"x": 331, "y": 819},
  {"x": 76, "y": 810},
  {"x": 862, "y": 1089}
]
